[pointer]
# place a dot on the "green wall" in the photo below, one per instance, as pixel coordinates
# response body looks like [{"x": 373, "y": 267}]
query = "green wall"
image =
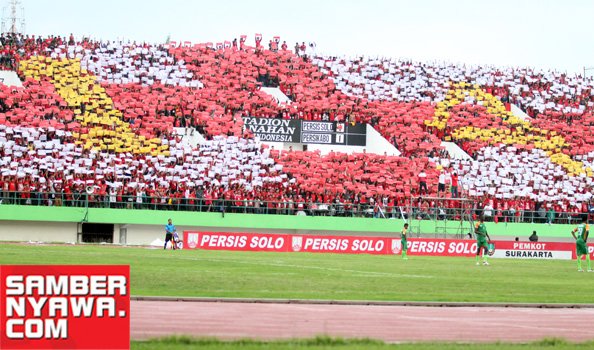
[
  {"x": 521, "y": 230},
  {"x": 181, "y": 218},
  {"x": 253, "y": 222}
]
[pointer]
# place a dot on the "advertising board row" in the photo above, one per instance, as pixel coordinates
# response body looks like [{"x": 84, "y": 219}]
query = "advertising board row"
[{"x": 373, "y": 245}]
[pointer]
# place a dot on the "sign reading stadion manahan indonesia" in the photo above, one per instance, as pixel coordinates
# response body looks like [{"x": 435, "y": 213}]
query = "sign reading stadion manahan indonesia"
[
  {"x": 302, "y": 131},
  {"x": 64, "y": 307},
  {"x": 371, "y": 245}
]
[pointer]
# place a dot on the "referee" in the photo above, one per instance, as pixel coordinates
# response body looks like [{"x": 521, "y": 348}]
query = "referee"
[{"x": 169, "y": 230}]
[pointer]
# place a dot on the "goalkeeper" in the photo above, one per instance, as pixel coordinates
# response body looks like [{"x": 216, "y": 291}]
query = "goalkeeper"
[
  {"x": 480, "y": 231},
  {"x": 581, "y": 248}
]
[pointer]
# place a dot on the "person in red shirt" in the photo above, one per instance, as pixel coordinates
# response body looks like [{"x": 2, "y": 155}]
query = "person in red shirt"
[
  {"x": 391, "y": 207},
  {"x": 119, "y": 200},
  {"x": 192, "y": 200},
  {"x": 67, "y": 196},
  {"x": 302, "y": 48},
  {"x": 270, "y": 205},
  {"x": 12, "y": 187},
  {"x": 26, "y": 195},
  {"x": 205, "y": 202},
  {"x": 238, "y": 202},
  {"x": 454, "y": 185}
]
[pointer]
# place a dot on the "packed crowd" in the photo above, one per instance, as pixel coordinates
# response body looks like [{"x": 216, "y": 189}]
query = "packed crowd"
[
  {"x": 16, "y": 46},
  {"x": 367, "y": 176},
  {"x": 136, "y": 64},
  {"x": 73, "y": 97},
  {"x": 508, "y": 172},
  {"x": 557, "y": 101},
  {"x": 536, "y": 91},
  {"x": 212, "y": 89},
  {"x": 47, "y": 163},
  {"x": 313, "y": 97}
]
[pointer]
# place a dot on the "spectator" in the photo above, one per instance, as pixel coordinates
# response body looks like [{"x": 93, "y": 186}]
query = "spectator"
[
  {"x": 551, "y": 215},
  {"x": 422, "y": 182},
  {"x": 488, "y": 212},
  {"x": 454, "y": 185},
  {"x": 300, "y": 211},
  {"x": 302, "y": 48},
  {"x": 441, "y": 184},
  {"x": 541, "y": 212},
  {"x": 533, "y": 237}
]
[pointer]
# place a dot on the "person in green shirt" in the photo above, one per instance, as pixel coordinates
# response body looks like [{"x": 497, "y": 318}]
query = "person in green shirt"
[
  {"x": 551, "y": 215},
  {"x": 403, "y": 241},
  {"x": 580, "y": 234},
  {"x": 481, "y": 241}
]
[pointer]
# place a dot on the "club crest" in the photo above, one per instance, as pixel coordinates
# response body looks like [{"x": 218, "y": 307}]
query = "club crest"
[
  {"x": 193, "y": 240},
  {"x": 396, "y": 246},
  {"x": 297, "y": 243}
]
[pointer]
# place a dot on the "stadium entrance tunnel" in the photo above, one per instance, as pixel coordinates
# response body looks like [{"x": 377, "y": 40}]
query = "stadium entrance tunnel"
[{"x": 96, "y": 233}]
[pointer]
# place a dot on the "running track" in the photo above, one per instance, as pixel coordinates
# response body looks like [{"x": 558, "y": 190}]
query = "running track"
[{"x": 233, "y": 320}]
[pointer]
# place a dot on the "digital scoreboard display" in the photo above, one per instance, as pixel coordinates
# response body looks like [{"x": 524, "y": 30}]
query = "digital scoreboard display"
[{"x": 308, "y": 132}]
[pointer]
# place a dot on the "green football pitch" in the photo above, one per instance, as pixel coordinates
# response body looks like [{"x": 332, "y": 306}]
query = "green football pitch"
[
  {"x": 324, "y": 276},
  {"x": 340, "y": 344}
]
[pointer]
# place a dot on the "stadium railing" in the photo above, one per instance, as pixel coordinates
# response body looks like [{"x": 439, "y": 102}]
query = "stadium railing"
[{"x": 406, "y": 212}]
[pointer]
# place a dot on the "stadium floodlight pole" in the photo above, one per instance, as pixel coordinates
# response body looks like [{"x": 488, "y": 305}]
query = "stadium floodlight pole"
[
  {"x": 13, "y": 14},
  {"x": 13, "y": 19}
]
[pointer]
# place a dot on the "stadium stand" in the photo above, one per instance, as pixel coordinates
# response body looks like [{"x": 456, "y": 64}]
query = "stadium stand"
[
  {"x": 102, "y": 114},
  {"x": 57, "y": 172}
]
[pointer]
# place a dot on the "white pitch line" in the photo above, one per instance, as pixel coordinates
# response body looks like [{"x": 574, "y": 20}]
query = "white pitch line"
[
  {"x": 362, "y": 273},
  {"x": 367, "y": 274}
]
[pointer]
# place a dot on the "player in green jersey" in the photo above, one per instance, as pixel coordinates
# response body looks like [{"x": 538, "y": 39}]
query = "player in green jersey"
[
  {"x": 403, "y": 241},
  {"x": 480, "y": 231},
  {"x": 580, "y": 234}
]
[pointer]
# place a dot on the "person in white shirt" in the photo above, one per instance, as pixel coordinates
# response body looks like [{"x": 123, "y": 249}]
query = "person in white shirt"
[
  {"x": 422, "y": 182},
  {"x": 441, "y": 184},
  {"x": 139, "y": 197},
  {"x": 488, "y": 212}
]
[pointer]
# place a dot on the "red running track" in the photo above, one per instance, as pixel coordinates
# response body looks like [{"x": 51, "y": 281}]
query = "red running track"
[{"x": 151, "y": 319}]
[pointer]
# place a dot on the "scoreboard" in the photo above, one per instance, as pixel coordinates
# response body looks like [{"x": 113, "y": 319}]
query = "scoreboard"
[{"x": 307, "y": 132}]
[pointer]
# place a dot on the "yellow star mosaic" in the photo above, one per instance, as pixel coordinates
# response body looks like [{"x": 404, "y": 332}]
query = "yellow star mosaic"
[
  {"x": 518, "y": 131},
  {"x": 106, "y": 129}
]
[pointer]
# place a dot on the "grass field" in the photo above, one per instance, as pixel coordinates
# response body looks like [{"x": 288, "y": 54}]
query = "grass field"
[
  {"x": 340, "y": 344},
  {"x": 324, "y": 276}
]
